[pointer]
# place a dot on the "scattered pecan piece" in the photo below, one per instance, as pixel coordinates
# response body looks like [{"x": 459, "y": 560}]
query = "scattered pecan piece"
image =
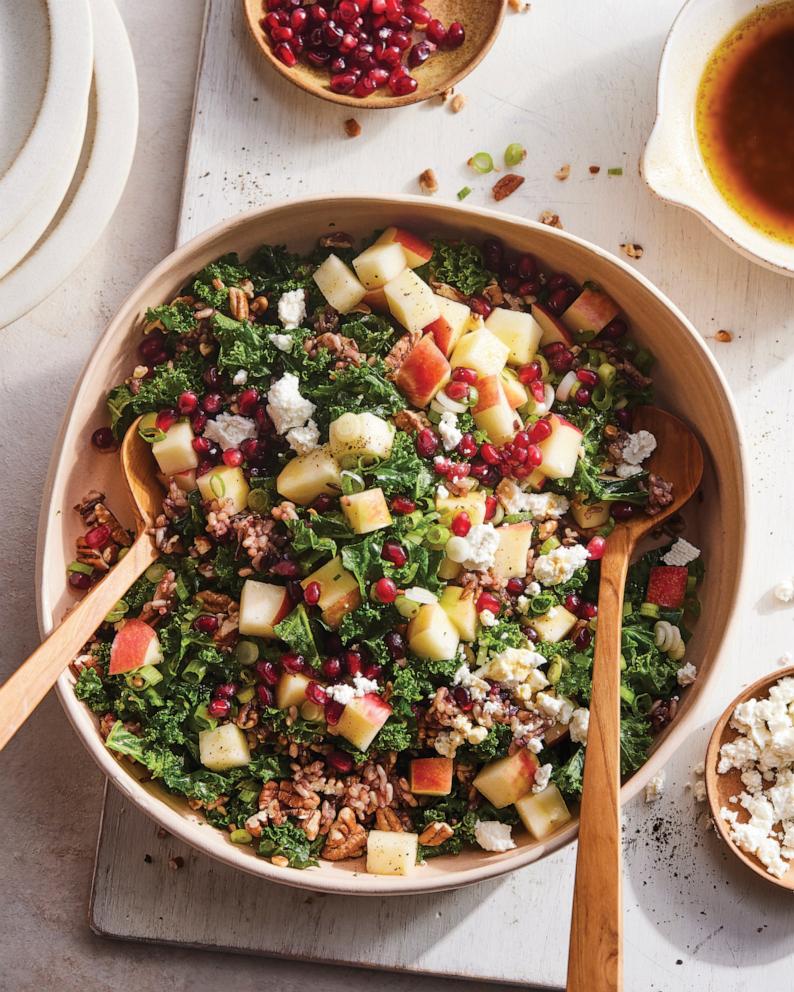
[
  {"x": 594, "y": 170},
  {"x": 563, "y": 172},
  {"x": 346, "y": 838},
  {"x": 386, "y": 819},
  {"x": 519, "y": 6},
  {"x": 428, "y": 182},
  {"x": 238, "y": 303},
  {"x": 435, "y": 834},
  {"x": 352, "y": 127},
  {"x": 458, "y": 103},
  {"x": 723, "y": 336},
  {"x": 507, "y": 185},
  {"x": 632, "y": 250},
  {"x": 410, "y": 421},
  {"x": 550, "y": 219},
  {"x": 337, "y": 239},
  {"x": 401, "y": 351}
]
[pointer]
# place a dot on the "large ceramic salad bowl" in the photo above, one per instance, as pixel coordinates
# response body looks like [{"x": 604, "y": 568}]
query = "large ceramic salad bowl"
[{"x": 688, "y": 383}]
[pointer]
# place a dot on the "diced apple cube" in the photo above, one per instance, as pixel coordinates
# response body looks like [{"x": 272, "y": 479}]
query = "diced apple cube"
[
  {"x": 362, "y": 718},
  {"x": 431, "y": 776},
  {"x": 461, "y": 610},
  {"x": 411, "y": 301},
  {"x": 449, "y": 569},
  {"x": 589, "y": 515},
  {"x": 450, "y": 327},
  {"x": 186, "y": 480},
  {"x": 560, "y": 449},
  {"x": 175, "y": 452},
  {"x": 472, "y": 502},
  {"x": 227, "y": 485},
  {"x": 555, "y": 625},
  {"x": 135, "y": 644},
  {"x": 592, "y": 310},
  {"x": 510, "y": 560},
  {"x": 291, "y": 690},
  {"x": 432, "y": 635},
  {"x": 417, "y": 251},
  {"x": 262, "y": 606},
  {"x": 354, "y": 436},
  {"x": 306, "y": 477},
  {"x": 516, "y": 393},
  {"x": 423, "y": 373},
  {"x": 379, "y": 264},
  {"x": 493, "y": 413},
  {"x": 338, "y": 284},
  {"x": 482, "y": 351},
  {"x": 542, "y": 812},
  {"x": 518, "y": 330},
  {"x": 366, "y": 511},
  {"x": 506, "y": 780},
  {"x": 339, "y": 592},
  {"x": 391, "y": 852},
  {"x": 223, "y": 748},
  {"x": 551, "y": 325}
]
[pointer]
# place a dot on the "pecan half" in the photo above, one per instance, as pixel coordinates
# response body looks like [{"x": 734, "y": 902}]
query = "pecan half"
[
  {"x": 435, "y": 834},
  {"x": 346, "y": 838},
  {"x": 507, "y": 185},
  {"x": 238, "y": 303},
  {"x": 386, "y": 819}
]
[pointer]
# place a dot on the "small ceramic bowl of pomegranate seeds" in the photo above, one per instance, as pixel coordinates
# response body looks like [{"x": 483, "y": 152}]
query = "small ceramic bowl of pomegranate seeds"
[{"x": 374, "y": 53}]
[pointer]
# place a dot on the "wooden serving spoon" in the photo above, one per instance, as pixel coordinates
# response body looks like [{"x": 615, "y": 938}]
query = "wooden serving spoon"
[
  {"x": 595, "y": 961},
  {"x": 31, "y": 682}
]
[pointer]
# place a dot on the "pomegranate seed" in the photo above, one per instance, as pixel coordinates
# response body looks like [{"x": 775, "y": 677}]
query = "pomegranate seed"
[
  {"x": 339, "y": 65},
  {"x": 166, "y": 419},
  {"x": 573, "y": 603},
  {"x": 212, "y": 403},
  {"x": 187, "y": 403},
  {"x": 204, "y": 466},
  {"x": 493, "y": 253},
  {"x": 467, "y": 446},
  {"x": 461, "y": 524},
  {"x": 521, "y": 471},
  {"x": 419, "y": 15},
  {"x": 529, "y": 373},
  {"x": 348, "y": 43},
  {"x": 97, "y": 537},
  {"x": 462, "y": 374},
  {"x": 339, "y": 760},
  {"x": 457, "y": 390},
  {"x": 582, "y": 396},
  {"x": 385, "y": 590},
  {"x": 436, "y": 31},
  {"x": 319, "y": 57},
  {"x": 582, "y": 638},
  {"x": 264, "y": 694},
  {"x": 79, "y": 580},
  {"x": 151, "y": 345},
  {"x": 490, "y": 454},
  {"x": 312, "y": 593},
  {"x": 529, "y": 288},
  {"x": 615, "y": 329},
  {"x": 521, "y": 440},
  {"x": 292, "y": 663},
  {"x": 347, "y": 11},
  {"x": 198, "y": 422},
  {"x": 527, "y": 267},
  {"x": 480, "y": 306},
  {"x": 247, "y": 400},
  {"x": 315, "y": 693},
  {"x": 266, "y": 671},
  {"x": 491, "y": 503},
  {"x": 558, "y": 281},
  {"x": 378, "y": 6},
  {"x": 103, "y": 440},
  {"x": 534, "y": 456},
  {"x": 510, "y": 284},
  {"x": 353, "y": 662},
  {"x": 441, "y": 465},
  {"x": 596, "y": 547},
  {"x": 344, "y": 82},
  {"x": 560, "y": 299},
  {"x": 211, "y": 376},
  {"x": 225, "y": 691},
  {"x": 219, "y": 707},
  {"x": 318, "y": 14},
  {"x": 487, "y": 601},
  {"x": 402, "y": 505},
  {"x": 394, "y": 553},
  {"x": 456, "y": 35},
  {"x": 588, "y": 611},
  {"x": 362, "y": 56},
  {"x": 285, "y": 54},
  {"x": 462, "y": 697},
  {"x": 206, "y": 624},
  {"x": 323, "y": 503},
  {"x": 298, "y": 19},
  {"x": 587, "y": 376},
  {"x": 623, "y": 511},
  {"x": 332, "y": 34},
  {"x": 401, "y": 40},
  {"x": 420, "y": 53},
  {"x": 201, "y": 445},
  {"x": 282, "y": 33},
  {"x": 250, "y": 448},
  {"x": 426, "y": 443},
  {"x": 624, "y": 418},
  {"x": 364, "y": 87},
  {"x": 373, "y": 671},
  {"x": 539, "y": 431},
  {"x": 561, "y": 361},
  {"x": 395, "y": 644},
  {"x": 518, "y": 456},
  {"x": 379, "y": 77},
  {"x": 233, "y": 457},
  {"x": 332, "y": 667},
  {"x": 333, "y": 711},
  {"x": 287, "y": 568},
  {"x": 538, "y": 391},
  {"x": 402, "y": 85},
  {"x": 515, "y": 587},
  {"x": 393, "y": 10}
]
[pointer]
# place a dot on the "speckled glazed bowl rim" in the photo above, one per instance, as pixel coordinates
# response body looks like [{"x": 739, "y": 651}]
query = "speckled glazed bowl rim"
[
  {"x": 702, "y": 396},
  {"x": 672, "y": 164}
]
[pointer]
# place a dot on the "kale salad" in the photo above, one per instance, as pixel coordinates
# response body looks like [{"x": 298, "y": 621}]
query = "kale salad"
[{"x": 390, "y": 470}]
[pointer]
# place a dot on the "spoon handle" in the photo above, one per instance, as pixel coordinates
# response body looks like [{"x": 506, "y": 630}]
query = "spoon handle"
[
  {"x": 595, "y": 962},
  {"x": 31, "y": 682}
]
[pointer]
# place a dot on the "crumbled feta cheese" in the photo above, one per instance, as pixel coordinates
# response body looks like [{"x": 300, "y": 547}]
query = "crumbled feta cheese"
[
  {"x": 638, "y": 447},
  {"x": 304, "y": 439},
  {"x": 285, "y": 405},
  {"x": 579, "y": 725},
  {"x": 522, "y": 605},
  {"x": 535, "y": 745},
  {"x": 699, "y": 791},
  {"x": 229, "y": 430},
  {"x": 681, "y": 553},
  {"x": 477, "y": 735},
  {"x": 626, "y": 471},
  {"x": 560, "y": 564},
  {"x": 442, "y": 492},
  {"x": 542, "y": 778},
  {"x": 784, "y": 591},
  {"x": 785, "y": 659},
  {"x": 283, "y": 342},
  {"x": 343, "y": 693},
  {"x": 477, "y": 550},
  {"x": 687, "y": 674},
  {"x": 292, "y": 308},
  {"x": 449, "y": 432},
  {"x": 448, "y": 742},
  {"x": 513, "y": 665},
  {"x": 532, "y": 589},
  {"x": 492, "y": 835},
  {"x": 542, "y": 506},
  {"x": 557, "y": 707},
  {"x": 487, "y": 618},
  {"x": 240, "y": 377},
  {"x": 655, "y": 788},
  {"x": 478, "y": 688}
]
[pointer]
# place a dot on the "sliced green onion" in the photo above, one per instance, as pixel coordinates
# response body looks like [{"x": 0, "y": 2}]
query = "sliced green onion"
[
  {"x": 155, "y": 572},
  {"x": 515, "y": 153},
  {"x": 352, "y": 482},
  {"x": 602, "y": 398},
  {"x": 202, "y": 718},
  {"x": 312, "y": 712},
  {"x": 649, "y": 610},
  {"x": 628, "y": 609},
  {"x": 218, "y": 486},
  {"x": 240, "y": 837},
  {"x": 549, "y": 545},
  {"x": 541, "y": 604},
  {"x": 627, "y": 695},
  {"x": 607, "y": 373},
  {"x": 623, "y": 664},
  {"x": 151, "y": 435},
  {"x": 437, "y": 537},
  {"x": 246, "y": 695},
  {"x": 259, "y": 501},
  {"x": 554, "y": 671},
  {"x": 691, "y": 583},
  {"x": 622, "y": 403},
  {"x": 247, "y": 653},
  {"x": 119, "y": 611},
  {"x": 464, "y": 192},
  {"x": 407, "y": 608},
  {"x": 617, "y": 171},
  {"x": 79, "y": 566},
  {"x": 482, "y": 163},
  {"x": 433, "y": 416},
  {"x": 194, "y": 671},
  {"x": 607, "y": 529},
  {"x": 474, "y": 396},
  {"x": 144, "y": 678},
  {"x": 545, "y": 371},
  {"x": 247, "y": 676}
]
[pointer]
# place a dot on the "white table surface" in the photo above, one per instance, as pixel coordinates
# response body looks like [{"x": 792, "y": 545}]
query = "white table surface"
[{"x": 574, "y": 82}]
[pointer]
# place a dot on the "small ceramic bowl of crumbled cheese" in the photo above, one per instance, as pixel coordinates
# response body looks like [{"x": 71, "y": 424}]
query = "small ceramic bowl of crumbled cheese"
[{"x": 750, "y": 777}]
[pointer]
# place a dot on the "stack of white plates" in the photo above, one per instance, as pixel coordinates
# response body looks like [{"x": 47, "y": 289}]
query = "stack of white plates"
[{"x": 69, "y": 107}]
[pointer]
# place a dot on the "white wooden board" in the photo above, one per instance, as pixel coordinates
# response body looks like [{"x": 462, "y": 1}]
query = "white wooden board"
[{"x": 575, "y": 83}]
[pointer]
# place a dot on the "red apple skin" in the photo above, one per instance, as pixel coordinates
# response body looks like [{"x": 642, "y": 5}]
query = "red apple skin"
[
  {"x": 442, "y": 335},
  {"x": 529, "y": 764},
  {"x": 553, "y": 327},
  {"x": 376, "y": 299},
  {"x": 515, "y": 392},
  {"x": 491, "y": 393},
  {"x": 592, "y": 310},
  {"x": 431, "y": 776},
  {"x": 423, "y": 373},
  {"x": 130, "y": 646},
  {"x": 417, "y": 251},
  {"x": 283, "y": 610},
  {"x": 567, "y": 423},
  {"x": 376, "y": 709}
]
